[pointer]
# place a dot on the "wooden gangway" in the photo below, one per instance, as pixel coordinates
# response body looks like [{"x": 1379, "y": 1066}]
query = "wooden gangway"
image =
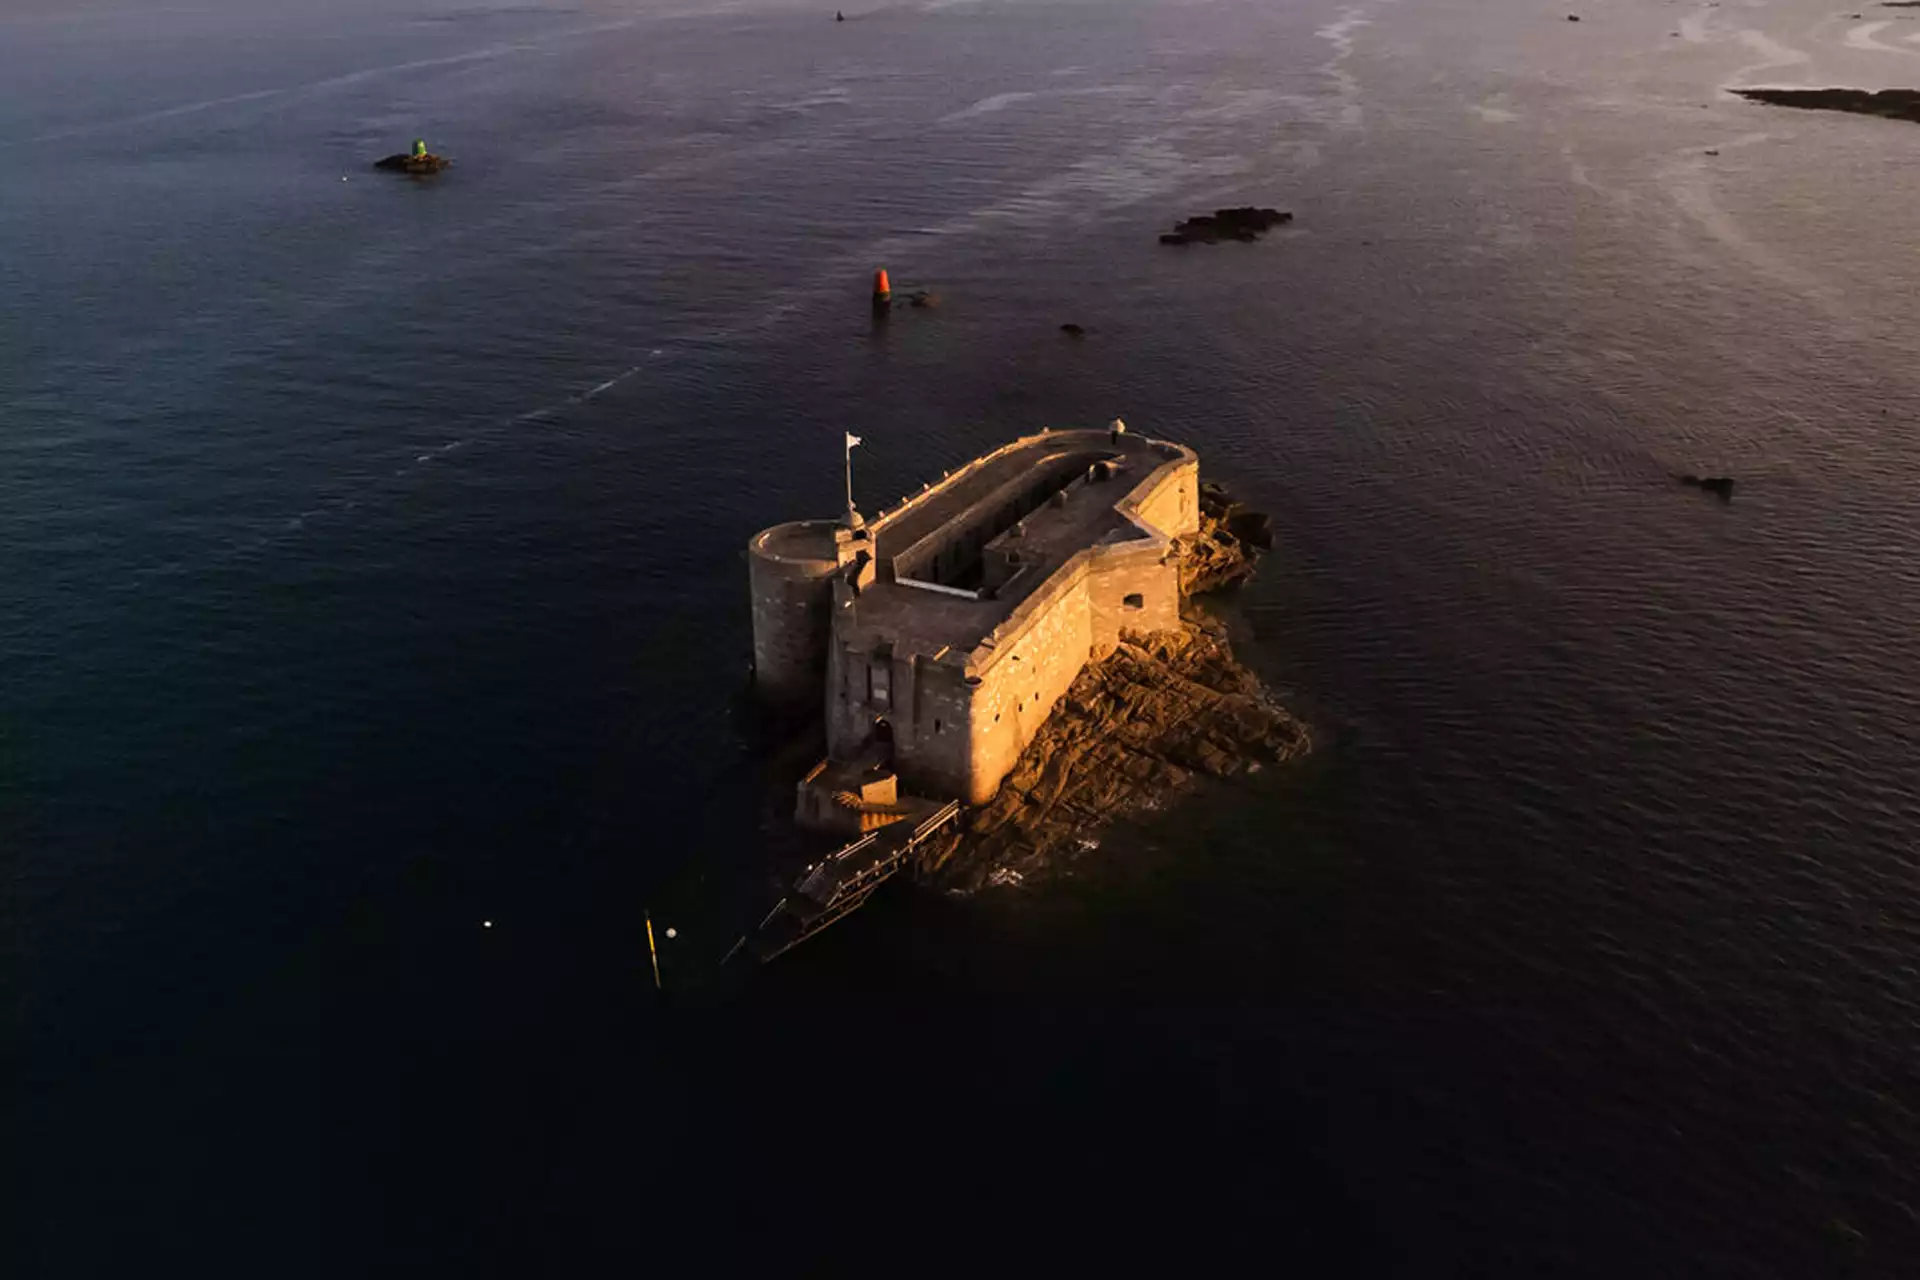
[{"x": 842, "y": 882}]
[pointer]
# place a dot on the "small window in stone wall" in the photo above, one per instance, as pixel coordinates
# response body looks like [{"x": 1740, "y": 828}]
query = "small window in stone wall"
[
  {"x": 1135, "y": 601},
  {"x": 936, "y": 726}
]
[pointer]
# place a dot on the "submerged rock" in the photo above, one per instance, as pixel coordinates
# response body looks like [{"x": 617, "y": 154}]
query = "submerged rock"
[
  {"x": 918, "y": 299},
  {"x": 1136, "y": 731},
  {"x": 1244, "y": 223},
  {"x": 1073, "y": 330}
]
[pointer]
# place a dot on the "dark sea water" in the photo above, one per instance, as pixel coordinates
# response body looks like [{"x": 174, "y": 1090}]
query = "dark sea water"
[{"x": 370, "y": 568}]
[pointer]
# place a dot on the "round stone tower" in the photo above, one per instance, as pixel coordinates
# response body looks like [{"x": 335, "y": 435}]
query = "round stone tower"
[{"x": 790, "y": 568}]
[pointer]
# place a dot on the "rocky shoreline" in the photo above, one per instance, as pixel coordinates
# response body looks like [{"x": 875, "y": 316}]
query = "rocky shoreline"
[{"x": 1136, "y": 732}]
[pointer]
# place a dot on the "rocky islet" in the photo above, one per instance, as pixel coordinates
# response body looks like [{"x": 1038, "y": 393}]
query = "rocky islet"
[
  {"x": 1889, "y": 104},
  {"x": 1243, "y": 223}
]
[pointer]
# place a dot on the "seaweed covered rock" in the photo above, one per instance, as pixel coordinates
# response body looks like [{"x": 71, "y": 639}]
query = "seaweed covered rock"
[
  {"x": 1226, "y": 550},
  {"x": 418, "y": 161},
  {"x": 417, "y": 165}
]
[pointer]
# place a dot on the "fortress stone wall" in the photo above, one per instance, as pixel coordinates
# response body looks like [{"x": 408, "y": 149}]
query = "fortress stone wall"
[{"x": 941, "y": 635}]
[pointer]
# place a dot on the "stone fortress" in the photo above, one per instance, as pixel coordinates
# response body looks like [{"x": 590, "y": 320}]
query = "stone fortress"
[{"x": 940, "y": 634}]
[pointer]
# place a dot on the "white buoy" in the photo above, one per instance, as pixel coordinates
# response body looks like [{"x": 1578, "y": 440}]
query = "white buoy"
[
  {"x": 671, "y": 934},
  {"x": 486, "y": 924}
]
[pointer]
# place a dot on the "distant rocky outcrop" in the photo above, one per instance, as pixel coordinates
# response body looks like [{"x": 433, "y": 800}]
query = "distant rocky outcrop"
[
  {"x": 1893, "y": 104},
  {"x": 1136, "y": 731},
  {"x": 1722, "y": 485},
  {"x": 1242, "y": 223},
  {"x": 417, "y": 165}
]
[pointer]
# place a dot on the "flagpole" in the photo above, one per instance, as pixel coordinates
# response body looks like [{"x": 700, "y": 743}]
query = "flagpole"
[{"x": 853, "y": 514}]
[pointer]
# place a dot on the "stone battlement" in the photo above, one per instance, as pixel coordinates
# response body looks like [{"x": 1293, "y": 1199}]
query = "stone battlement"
[{"x": 943, "y": 632}]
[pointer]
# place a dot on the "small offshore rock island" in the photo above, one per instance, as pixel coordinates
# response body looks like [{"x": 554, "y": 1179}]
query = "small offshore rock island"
[{"x": 940, "y": 638}]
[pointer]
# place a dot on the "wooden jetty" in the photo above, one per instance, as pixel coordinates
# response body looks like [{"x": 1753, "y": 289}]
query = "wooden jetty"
[{"x": 841, "y": 882}]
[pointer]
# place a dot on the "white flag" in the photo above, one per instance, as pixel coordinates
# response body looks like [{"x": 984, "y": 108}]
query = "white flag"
[{"x": 852, "y": 439}]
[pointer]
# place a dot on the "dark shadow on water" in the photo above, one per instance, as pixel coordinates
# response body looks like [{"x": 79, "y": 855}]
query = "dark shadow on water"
[{"x": 1068, "y": 1069}]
